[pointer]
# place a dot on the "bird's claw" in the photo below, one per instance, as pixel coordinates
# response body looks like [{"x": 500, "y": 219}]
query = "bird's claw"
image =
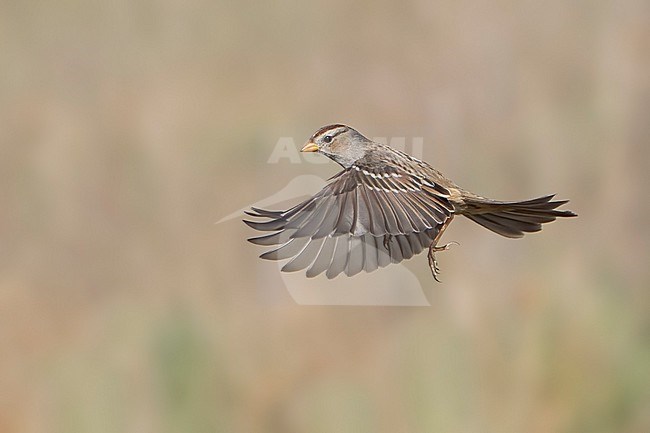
[
  {"x": 433, "y": 263},
  {"x": 387, "y": 240},
  {"x": 445, "y": 246}
]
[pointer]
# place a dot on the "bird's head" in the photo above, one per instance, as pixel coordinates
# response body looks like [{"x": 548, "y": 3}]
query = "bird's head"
[{"x": 341, "y": 143}]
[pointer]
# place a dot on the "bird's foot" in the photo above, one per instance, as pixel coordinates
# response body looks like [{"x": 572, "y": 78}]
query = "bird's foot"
[
  {"x": 433, "y": 263},
  {"x": 444, "y": 247},
  {"x": 387, "y": 240}
]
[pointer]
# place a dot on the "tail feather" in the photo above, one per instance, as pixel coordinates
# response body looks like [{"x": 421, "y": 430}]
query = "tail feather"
[{"x": 513, "y": 219}]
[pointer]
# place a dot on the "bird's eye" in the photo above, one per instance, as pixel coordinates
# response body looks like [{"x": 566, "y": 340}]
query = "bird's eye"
[{"x": 327, "y": 139}]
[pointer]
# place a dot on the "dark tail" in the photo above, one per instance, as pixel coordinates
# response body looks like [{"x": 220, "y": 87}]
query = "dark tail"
[{"x": 514, "y": 218}]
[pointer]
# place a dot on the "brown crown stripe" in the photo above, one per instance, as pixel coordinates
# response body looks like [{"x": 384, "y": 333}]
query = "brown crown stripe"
[{"x": 324, "y": 129}]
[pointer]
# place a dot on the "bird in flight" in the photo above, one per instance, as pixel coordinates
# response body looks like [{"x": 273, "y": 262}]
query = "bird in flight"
[{"x": 384, "y": 207}]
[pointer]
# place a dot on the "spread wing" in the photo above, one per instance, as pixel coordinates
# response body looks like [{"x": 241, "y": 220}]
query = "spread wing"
[{"x": 361, "y": 220}]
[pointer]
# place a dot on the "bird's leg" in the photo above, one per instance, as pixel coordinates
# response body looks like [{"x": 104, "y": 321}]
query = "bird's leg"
[
  {"x": 387, "y": 240},
  {"x": 433, "y": 248}
]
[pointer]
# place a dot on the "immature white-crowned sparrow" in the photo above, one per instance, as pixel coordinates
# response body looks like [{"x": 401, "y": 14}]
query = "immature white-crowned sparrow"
[{"x": 384, "y": 207}]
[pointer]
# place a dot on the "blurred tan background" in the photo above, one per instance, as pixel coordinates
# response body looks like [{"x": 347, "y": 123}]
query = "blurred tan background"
[{"x": 128, "y": 128}]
